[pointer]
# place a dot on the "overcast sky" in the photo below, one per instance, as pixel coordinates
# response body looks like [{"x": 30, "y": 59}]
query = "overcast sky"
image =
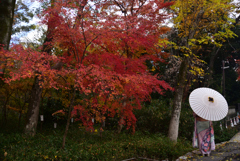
[{"x": 31, "y": 35}]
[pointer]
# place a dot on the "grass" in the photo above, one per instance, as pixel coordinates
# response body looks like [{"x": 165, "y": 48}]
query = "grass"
[{"x": 81, "y": 145}]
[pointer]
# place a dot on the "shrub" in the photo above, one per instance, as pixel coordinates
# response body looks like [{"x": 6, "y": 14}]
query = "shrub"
[
  {"x": 89, "y": 146},
  {"x": 154, "y": 117},
  {"x": 186, "y": 125},
  {"x": 224, "y": 134}
]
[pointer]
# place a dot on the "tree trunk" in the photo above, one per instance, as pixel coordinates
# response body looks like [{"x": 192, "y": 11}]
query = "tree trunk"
[
  {"x": 177, "y": 102},
  {"x": 68, "y": 118},
  {"x": 33, "y": 108},
  {"x": 6, "y": 19},
  {"x": 4, "y": 111},
  {"x": 120, "y": 125},
  {"x": 121, "y": 121},
  {"x": 186, "y": 87},
  {"x": 209, "y": 78},
  {"x": 19, "y": 119}
]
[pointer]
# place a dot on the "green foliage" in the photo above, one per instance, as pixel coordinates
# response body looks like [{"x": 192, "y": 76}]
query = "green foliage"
[
  {"x": 155, "y": 118},
  {"x": 186, "y": 125},
  {"x": 225, "y": 134},
  {"x": 89, "y": 146}
]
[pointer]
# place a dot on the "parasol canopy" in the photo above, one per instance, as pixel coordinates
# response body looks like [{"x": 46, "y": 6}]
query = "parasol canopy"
[{"x": 208, "y": 104}]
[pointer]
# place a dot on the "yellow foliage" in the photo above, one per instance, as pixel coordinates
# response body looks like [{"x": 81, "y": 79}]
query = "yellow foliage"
[
  {"x": 201, "y": 22},
  {"x": 197, "y": 18}
]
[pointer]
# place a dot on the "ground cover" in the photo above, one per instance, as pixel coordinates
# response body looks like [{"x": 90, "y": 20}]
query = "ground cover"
[
  {"x": 149, "y": 141},
  {"x": 81, "y": 145}
]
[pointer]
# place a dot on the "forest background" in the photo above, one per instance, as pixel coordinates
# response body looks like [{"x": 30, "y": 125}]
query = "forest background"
[{"x": 113, "y": 76}]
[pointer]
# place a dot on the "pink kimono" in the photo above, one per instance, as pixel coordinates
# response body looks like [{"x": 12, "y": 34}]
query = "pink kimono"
[{"x": 203, "y": 136}]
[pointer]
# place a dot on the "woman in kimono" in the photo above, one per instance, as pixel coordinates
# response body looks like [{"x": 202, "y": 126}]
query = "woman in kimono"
[{"x": 203, "y": 136}]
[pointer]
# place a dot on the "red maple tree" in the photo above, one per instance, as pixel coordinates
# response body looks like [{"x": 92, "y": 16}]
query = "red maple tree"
[{"x": 103, "y": 46}]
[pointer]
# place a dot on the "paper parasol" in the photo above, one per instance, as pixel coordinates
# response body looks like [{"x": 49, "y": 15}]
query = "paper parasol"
[{"x": 208, "y": 104}]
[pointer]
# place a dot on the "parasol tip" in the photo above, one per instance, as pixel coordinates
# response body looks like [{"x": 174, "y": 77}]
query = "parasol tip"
[{"x": 210, "y": 99}]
